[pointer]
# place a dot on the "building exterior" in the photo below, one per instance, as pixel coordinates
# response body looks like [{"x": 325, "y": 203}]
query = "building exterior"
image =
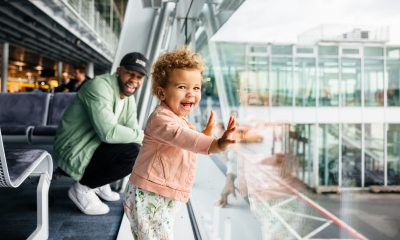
[{"x": 338, "y": 98}]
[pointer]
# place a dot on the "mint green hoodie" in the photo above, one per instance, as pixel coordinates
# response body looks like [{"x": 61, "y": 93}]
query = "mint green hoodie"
[{"x": 91, "y": 120}]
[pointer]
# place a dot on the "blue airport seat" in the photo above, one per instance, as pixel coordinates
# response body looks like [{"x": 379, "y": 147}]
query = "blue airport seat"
[
  {"x": 20, "y": 112},
  {"x": 16, "y": 166},
  {"x": 45, "y": 134}
]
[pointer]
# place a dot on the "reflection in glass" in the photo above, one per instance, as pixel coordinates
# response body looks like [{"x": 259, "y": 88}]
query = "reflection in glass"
[
  {"x": 393, "y": 154},
  {"x": 281, "y": 81},
  {"x": 328, "y": 50},
  {"x": 329, "y": 82},
  {"x": 304, "y": 82},
  {"x": 351, "y": 155},
  {"x": 374, "y": 154},
  {"x": 328, "y": 154},
  {"x": 253, "y": 86},
  {"x": 373, "y": 82},
  {"x": 393, "y": 75},
  {"x": 351, "y": 82},
  {"x": 302, "y": 146},
  {"x": 373, "y": 51},
  {"x": 232, "y": 62}
]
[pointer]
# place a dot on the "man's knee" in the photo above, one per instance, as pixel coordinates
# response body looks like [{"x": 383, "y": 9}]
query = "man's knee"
[{"x": 134, "y": 148}]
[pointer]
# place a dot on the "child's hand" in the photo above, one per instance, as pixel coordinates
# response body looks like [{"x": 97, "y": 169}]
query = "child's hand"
[
  {"x": 210, "y": 125},
  {"x": 227, "y": 137}
]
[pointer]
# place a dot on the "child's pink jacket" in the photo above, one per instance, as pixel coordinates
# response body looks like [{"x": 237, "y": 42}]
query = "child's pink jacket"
[{"x": 166, "y": 162}]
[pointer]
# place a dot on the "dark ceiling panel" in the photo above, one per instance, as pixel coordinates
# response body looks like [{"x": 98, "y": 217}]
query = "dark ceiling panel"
[{"x": 25, "y": 26}]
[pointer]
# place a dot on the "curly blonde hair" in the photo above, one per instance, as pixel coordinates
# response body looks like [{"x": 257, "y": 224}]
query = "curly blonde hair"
[{"x": 182, "y": 58}]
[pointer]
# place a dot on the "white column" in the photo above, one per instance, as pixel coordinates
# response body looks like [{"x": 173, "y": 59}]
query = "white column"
[
  {"x": 90, "y": 70},
  {"x": 4, "y": 66}
]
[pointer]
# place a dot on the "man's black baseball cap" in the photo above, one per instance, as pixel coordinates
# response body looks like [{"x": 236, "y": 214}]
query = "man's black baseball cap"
[{"x": 135, "y": 62}]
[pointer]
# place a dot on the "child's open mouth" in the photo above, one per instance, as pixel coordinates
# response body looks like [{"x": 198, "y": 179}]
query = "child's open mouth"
[{"x": 187, "y": 106}]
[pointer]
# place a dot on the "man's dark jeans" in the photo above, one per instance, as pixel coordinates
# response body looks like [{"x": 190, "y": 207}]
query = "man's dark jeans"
[{"x": 110, "y": 162}]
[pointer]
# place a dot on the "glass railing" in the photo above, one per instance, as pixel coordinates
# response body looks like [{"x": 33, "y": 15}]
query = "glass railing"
[{"x": 87, "y": 11}]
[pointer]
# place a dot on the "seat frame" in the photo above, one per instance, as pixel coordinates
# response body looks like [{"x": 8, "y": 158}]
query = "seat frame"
[{"x": 42, "y": 167}]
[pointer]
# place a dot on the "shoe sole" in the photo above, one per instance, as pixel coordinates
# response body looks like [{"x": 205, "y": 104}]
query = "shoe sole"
[{"x": 76, "y": 202}]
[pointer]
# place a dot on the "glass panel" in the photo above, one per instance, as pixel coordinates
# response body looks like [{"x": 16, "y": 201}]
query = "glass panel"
[
  {"x": 253, "y": 87},
  {"x": 373, "y": 51},
  {"x": 281, "y": 49},
  {"x": 328, "y": 51},
  {"x": 301, "y": 136},
  {"x": 393, "y": 53},
  {"x": 351, "y": 82},
  {"x": 328, "y": 154},
  {"x": 374, "y": 154},
  {"x": 329, "y": 82},
  {"x": 393, "y": 154},
  {"x": 351, "y": 155},
  {"x": 305, "y": 82},
  {"x": 373, "y": 82},
  {"x": 281, "y": 81},
  {"x": 232, "y": 60},
  {"x": 393, "y": 74},
  {"x": 350, "y": 51},
  {"x": 305, "y": 50}
]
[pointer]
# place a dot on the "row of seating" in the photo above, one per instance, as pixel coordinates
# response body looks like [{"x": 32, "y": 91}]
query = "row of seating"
[{"x": 32, "y": 118}]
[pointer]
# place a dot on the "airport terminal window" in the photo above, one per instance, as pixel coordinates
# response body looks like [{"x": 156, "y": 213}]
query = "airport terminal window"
[
  {"x": 302, "y": 146},
  {"x": 328, "y": 50},
  {"x": 281, "y": 49},
  {"x": 253, "y": 88},
  {"x": 281, "y": 81},
  {"x": 373, "y": 82},
  {"x": 374, "y": 154},
  {"x": 328, "y": 78},
  {"x": 351, "y": 155},
  {"x": 393, "y": 53},
  {"x": 393, "y": 154},
  {"x": 305, "y": 82},
  {"x": 328, "y": 154},
  {"x": 350, "y": 85},
  {"x": 373, "y": 51},
  {"x": 232, "y": 59},
  {"x": 393, "y": 75}
]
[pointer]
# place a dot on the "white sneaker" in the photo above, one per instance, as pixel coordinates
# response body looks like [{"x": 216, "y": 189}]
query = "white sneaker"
[
  {"x": 86, "y": 200},
  {"x": 106, "y": 193}
]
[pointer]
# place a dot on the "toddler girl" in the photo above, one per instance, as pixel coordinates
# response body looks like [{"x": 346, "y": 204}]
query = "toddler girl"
[{"x": 164, "y": 170}]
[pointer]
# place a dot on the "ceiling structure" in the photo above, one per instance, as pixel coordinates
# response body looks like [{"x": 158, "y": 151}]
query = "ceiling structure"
[{"x": 34, "y": 35}]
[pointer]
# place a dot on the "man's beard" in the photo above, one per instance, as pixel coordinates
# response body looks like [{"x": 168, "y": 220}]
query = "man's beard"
[{"x": 122, "y": 88}]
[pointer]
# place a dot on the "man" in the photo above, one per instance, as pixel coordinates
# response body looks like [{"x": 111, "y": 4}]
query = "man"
[
  {"x": 99, "y": 138},
  {"x": 80, "y": 78},
  {"x": 65, "y": 80}
]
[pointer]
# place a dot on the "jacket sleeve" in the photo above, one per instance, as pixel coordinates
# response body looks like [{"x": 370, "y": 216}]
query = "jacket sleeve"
[
  {"x": 166, "y": 129},
  {"x": 98, "y": 100}
]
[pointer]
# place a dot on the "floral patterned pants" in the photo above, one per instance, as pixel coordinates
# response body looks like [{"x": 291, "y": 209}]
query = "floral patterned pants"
[{"x": 151, "y": 216}]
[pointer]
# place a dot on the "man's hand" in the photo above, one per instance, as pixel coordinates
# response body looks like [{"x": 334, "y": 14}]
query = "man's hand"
[
  {"x": 210, "y": 125},
  {"x": 229, "y": 188}
]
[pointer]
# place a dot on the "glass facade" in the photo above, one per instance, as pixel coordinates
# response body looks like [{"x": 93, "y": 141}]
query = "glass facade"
[
  {"x": 374, "y": 154},
  {"x": 304, "y": 82},
  {"x": 393, "y": 76},
  {"x": 348, "y": 155},
  {"x": 351, "y": 82},
  {"x": 328, "y": 160},
  {"x": 393, "y": 154},
  {"x": 329, "y": 82}
]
